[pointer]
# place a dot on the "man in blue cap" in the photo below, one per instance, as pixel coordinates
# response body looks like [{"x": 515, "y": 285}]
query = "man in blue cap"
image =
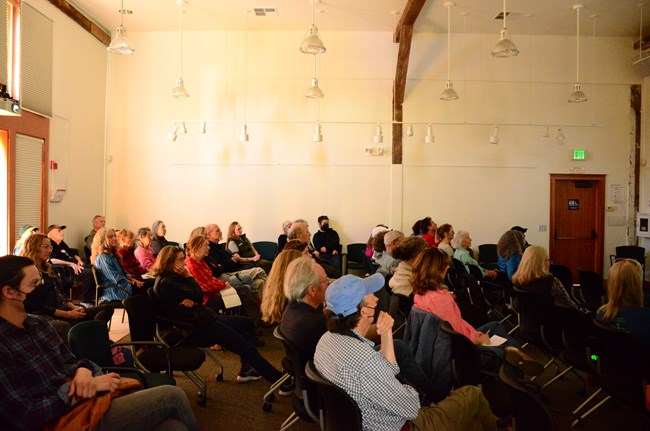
[{"x": 347, "y": 359}]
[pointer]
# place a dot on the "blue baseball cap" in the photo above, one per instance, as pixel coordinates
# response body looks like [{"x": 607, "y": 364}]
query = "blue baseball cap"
[{"x": 345, "y": 294}]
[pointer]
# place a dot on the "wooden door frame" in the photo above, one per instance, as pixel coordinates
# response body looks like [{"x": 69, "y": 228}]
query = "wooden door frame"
[{"x": 600, "y": 213}]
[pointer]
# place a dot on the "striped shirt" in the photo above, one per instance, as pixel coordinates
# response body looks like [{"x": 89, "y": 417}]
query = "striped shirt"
[{"x": 353, "y": 365}]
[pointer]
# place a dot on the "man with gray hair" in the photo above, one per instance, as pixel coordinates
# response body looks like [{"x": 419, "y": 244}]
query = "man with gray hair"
[
  {"x": 300, "y": 230},
  {"x": 387, "y": 263}
]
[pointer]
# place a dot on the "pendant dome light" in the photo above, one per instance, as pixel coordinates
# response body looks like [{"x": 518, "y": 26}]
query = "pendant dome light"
[
  {"x": 120, "y": 44},
  {"x": 505, "y": 47},
  {"x": 577, "y": 96},
  {"x": 312, "y": 44},
  {"x": 314, "y": 91},
  {"x": 179, "y": 90},
  {"x": 449, "y": 93}
]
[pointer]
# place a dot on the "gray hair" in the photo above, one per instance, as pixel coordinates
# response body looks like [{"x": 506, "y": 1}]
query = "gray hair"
[
  {"x": 286, "y": 225},
  {"x": 300, "y": 274},
  {"x": 460, "y": 236},
  {"x": 296, "y": 229},
  {"x": 301, "y": 220},
  {"x": 392, "y": 236}
]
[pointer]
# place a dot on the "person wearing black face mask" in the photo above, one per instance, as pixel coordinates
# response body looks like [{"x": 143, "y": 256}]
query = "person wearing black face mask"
[{"x": 328, "y": 244}]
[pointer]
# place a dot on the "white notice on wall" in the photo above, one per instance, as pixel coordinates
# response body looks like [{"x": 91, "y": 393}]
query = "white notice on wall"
[{"x": 616, "y": 194}]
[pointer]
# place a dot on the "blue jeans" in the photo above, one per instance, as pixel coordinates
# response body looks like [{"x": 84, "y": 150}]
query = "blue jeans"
[
  {"x": 163, "y": 408},
  {"x": 489, "y": 362},
  {"x": 235, "y": 333}
]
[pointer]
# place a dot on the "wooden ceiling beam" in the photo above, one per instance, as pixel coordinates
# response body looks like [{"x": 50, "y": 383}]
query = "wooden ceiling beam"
[{"x": 83, "y": 21}]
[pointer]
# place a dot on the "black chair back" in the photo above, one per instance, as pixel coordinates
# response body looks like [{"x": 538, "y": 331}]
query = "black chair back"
[
  {"x": 591, "y": 288},
  {"x": 142, "y": 317},
  {"x": 465, "y": 359},
  {"x": 537, "y": 323},
  {"x": 356, "y": 257},
  {"x": 339, "y": 411},
  {"x": 631, "y": 252},
  {"x": 529, "y": 411},
  {"x": 89, "y": 340},
  {"x": 487, "y": 254},
  {"x": 267, "y": 249},
  {"x": 459, "y": 266},
  {"x": 576, "y": 333}
]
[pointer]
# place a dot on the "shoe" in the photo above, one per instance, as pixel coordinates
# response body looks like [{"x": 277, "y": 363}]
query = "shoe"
[
  {"x": 248, "y": 376},
  {"x": 287, "y": 388},
  {"x": 523, "y": 362}
]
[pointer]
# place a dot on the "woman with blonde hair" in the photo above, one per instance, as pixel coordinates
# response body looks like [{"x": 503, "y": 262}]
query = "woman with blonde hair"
[
  {"x": 273, "y": 299},
  {"x": 624, "y": 309},
  {"x": 533, "y": 276},
  {"x": 109, "y": 271}
]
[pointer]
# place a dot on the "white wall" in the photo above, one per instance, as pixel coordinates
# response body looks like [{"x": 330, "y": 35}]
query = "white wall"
[
  {"x": 77, "y": 129},
  {"x": 281, "y": 174}
]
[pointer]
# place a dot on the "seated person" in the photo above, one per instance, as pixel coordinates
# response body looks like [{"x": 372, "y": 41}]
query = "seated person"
[
  {"x": 98, "y": 222},
  {"x": 25, "y": 232},
  {"x": 375, "y": 231},
  {"x": 144, "y": 252},
  {"x": 284, "y": 236},
  {"x": 350, "y": 361},
  {"x": 109, "y": 271},
  {"x": 446, "y": 235},
  {"x": 239, "y": 245},
  {"x": 387, "y": 262},
  {"x": 509, "y": 251},
  {"x": 300, "y": 230},
  {"x": 126, "y": 244},
  {"x": 179, "y": 297},
  {"x": 624, "y": 309},
  {"x": 46, "y": 299},
  {"x": 462, "y": 243},
  {"x": 428, "y": 229},
  {"x": 429, "y": 270},
  {"x": 533, "y": 275},
  {"x": 328, "y": 244},
  {"x": 41, "y": 381},
  {"x": 63, "y": 255},
  {"x": 273, "y": 299},
  {"x": 158, "y": 240},
  {"x": 407, "y": 252},
  {"x": 296, "y": 244}
]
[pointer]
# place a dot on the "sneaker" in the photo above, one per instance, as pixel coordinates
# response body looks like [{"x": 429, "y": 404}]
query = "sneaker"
[
  {"x": 287, "y": 388},
  {"x": 523, "y": 362},
  {"x": 248, "y": 376}
]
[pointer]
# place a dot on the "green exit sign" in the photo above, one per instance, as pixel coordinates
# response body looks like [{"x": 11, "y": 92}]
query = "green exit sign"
[{"x": 579, "y": 154}]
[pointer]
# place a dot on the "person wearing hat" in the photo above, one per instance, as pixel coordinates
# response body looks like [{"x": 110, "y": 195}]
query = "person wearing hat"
[
  {"x": 349, "y": 360},
  {"x": 25, "y": 232},
  {"x": 522, "y": 230}
]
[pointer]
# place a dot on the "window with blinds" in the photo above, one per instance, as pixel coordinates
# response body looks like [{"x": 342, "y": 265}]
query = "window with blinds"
[
  {"x": 29, "y": 181},
  {"x": 36, "y": 61}
]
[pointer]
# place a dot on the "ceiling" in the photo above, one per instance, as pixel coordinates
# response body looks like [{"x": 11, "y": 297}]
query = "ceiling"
[{"x": 539, "y": 17}]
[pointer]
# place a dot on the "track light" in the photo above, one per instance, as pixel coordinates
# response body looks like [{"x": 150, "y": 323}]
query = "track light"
[
  {"x": 409, "y": 130},
  {"x": 494, "y": 137},
  {"x": 429, "y": 138},
  {"x": 318, "y": 133},
  {"x": 243, "y": 135},
  {"x": 379, "y": 135},
  {"x": 559, "y": 138},
  {"x": 182, "y": 129},
  {"x": 202, "y": 128},
  {"x": 172, "y": 135}
]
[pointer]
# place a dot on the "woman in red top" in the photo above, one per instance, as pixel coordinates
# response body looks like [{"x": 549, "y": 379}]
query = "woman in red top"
[{"x": 197, "y": 249}]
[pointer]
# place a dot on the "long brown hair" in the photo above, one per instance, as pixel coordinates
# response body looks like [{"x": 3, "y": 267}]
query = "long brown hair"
[
  {"x": 624, "y": 288},
  {"x": 428, "y": 270},
  {"x": 231, "y": 232},
  {"x": 32, "y": 250},
  {"x": 166, "y": 259}
]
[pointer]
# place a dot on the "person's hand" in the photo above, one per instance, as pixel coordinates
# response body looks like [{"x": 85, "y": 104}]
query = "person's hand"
[
  {"x": 107, "y": 382},
  {"x": 490, "y": 273},
  {"x": 316, "y": 253},
  {"x": 228, "y": 285},
  {"x": 256, "y": 258},
  {"x": 188, "y": 303},
  {"x": 482, "y": 339},
  {"x": 384, "y": 323},
  {"x": 79, "y": 261},
  {"x": 75, "y": 314},
  {"x": 138, "y": 283},
  {"x": 83, "y": 385},
  {"x": 76, "y": 268},
  {"x": 323, "y": 250},
  {"x": 335, "y": 252}
]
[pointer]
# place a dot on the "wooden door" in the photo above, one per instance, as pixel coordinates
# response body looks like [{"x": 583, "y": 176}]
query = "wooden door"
[{"x": 577, "y": 224}]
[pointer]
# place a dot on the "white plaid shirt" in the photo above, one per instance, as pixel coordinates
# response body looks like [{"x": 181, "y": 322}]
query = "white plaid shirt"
[{"x": 354, "y": 366}]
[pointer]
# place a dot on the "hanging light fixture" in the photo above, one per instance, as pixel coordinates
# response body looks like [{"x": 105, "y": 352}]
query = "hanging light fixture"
[
  {"x": 243, "y": 135},
  {"x": 559, "y": 138},
  {"x": 312, "y": 44},
  {"x": 577, "y": 96},
  {"x": 409, "y": 130},
  {"x": 449, "y": 93},
  {"x": 179, "y": 90},
  {"x": 182, "y": 129},
  {"x": 120, "y": 44},
  {"x": 172, "y": 135},
  {"x": 505, "y": 47},
  {"x": 202, "y": 128},
  {"x": 379, "y": 135},
  {"x": 318, "y": 133},
  {"x": 494, "y": 137},
  {"x": 314, "y": 91},
  {"x": 429, "y": 138}
]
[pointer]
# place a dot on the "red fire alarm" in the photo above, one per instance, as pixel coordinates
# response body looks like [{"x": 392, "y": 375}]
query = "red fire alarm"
[{"x": 53, "y": 165}]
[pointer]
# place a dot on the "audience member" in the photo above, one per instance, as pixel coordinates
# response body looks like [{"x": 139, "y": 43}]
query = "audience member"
[
  {"x": 429, "y": 270},
  {"x": 533, "y": 276},
  {"x": 238, "y": 244},
  {"x": 273, "y": 299},
  {"x": 428, "y": 230},
  {"x": 387, "y": 262},
  {"x": 41, "y": 381},
  {"x": 98, "y": 222},
  {"x": 47, "y": 299},
  {"x": 25, "y": 232},
  {"x": 446, "y": 235},
  {"x": 282, "y": 239},
  {"x": 624, "y": 309},
  {"x": 128, "y": 261},
  {"x": 144, "y": 252},
  {"x": 63, "y": 255},
  {"x": 522, "y": 230},
  {"x": 349, "y": 360},
  {"x": 179, "y": 297},
  {"x": 510, "y": 248},
  {"x": 109, "y": 271},
  {"x": 375, "y": 231},
  {"x": 158, "y": 241},
  {"x": 462, "y": 243},
  {"x": 407, "y": 252},
  {"x": 379, "y": 246},
  {"x": 296, "y": 244},
  {"x": 300, "y": 230},
  {"x": 328, "y": 243}
]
